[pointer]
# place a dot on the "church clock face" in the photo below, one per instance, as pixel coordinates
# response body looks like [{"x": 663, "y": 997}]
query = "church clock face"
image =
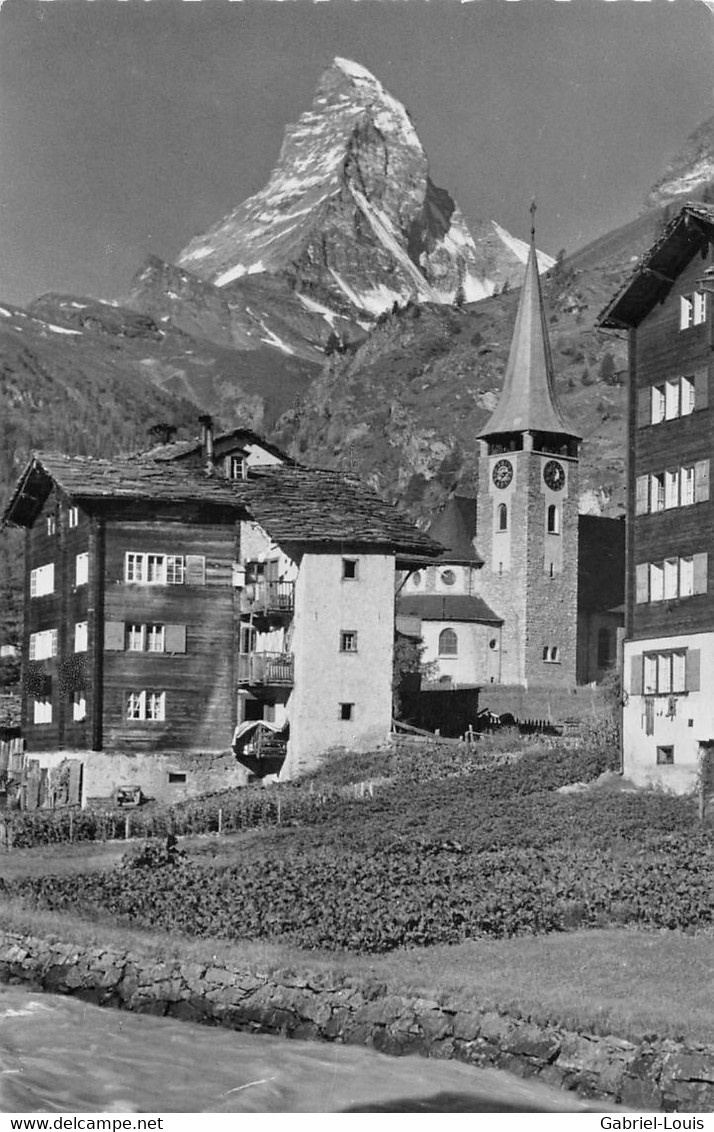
[
  {"x": 554, "y": 475},
  {"x": 502, "y": 473}
]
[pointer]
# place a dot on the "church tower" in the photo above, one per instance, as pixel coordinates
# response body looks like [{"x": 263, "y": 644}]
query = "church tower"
[{"x": 528, "y": 507}]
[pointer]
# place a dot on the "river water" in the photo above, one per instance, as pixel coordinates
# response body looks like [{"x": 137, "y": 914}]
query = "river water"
[{"x": 62, "y": 1055}]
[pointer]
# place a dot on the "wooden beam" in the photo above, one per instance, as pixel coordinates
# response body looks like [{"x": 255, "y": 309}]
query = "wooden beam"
[{"x": 658, "y": 275}]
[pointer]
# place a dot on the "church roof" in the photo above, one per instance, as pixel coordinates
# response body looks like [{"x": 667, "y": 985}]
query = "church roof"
[
  {"x": 528, "y": 401},
  {"x": 455, "y": 529},
  {"x": 448, "y": 607}
]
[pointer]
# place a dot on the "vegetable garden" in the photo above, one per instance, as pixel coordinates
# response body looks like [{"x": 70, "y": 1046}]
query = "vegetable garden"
[{"x": 449, "y": 849}]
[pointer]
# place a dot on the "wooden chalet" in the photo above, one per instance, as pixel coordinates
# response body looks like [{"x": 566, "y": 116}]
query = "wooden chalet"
[
  {"x": 665, "y": 309},
  {"x": 173, "y": 596}
]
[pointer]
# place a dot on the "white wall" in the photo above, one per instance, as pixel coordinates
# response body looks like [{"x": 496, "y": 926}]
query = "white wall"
[
  {"x": 472, "y": 664},
  {"x": 692, "y": 723},
  {"x": 326, "y": 677}
]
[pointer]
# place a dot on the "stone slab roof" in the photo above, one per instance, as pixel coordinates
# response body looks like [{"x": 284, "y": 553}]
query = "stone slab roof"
[{"x": 301, "y": 505}]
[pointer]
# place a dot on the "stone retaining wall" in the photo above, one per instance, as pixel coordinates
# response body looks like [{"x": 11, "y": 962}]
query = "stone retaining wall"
[{"x": 651, "y": 1076}]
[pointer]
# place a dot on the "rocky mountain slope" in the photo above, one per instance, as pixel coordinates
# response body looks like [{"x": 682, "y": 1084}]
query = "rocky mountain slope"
[{"x": 690, "y": 173}]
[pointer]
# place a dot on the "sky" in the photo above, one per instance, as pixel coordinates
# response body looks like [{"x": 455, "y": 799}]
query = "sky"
[{"x": 129, "y": 126}]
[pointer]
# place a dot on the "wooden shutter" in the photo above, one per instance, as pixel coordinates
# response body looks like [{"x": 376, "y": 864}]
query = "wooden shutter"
[
  {"x": 691, "y": 669},
  {"x": 114, "y": 636},
  {"x": 636, "y": 683},
  {"x": 701, "y": 389},
  {"x": 644, "y": 409},
  {"x": 195, "y": 570},
  {"x": 175, "y": 638},
  {"x": 701, "y": 573},
  {"x": 641, "y": 495},
  {"x": 701, "y": 481},
  {"x": 642, "y": 589}
]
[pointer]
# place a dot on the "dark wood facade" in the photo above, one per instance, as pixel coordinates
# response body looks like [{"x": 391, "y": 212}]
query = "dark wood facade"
[
  {"x": 194, "y": 671},
  {"x": 661, "y": 351}
]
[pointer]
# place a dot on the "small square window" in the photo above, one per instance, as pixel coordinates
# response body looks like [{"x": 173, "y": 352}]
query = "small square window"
[
  {"x": 347, "y": 711},
  {"x": 348, "y": 640},
  {"x": 349, "y": 569},
  {"x": 177, "y": 776},
  {"x": 665, "y": 756}
]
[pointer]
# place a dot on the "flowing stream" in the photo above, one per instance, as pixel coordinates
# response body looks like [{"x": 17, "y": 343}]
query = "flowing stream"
[{"x": 59, "y": 1054}]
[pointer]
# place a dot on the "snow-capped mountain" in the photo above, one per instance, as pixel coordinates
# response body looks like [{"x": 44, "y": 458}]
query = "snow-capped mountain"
[
  {"x": 350, "y": 216},
  {"x": 690, "y": 173}
]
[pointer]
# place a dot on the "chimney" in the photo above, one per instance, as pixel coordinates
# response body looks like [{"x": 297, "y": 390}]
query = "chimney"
[{"x": 206, "y": 423}]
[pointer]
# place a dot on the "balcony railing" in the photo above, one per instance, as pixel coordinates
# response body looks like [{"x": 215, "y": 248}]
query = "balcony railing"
[
  {"x": 265, "y": 668},
  {"x": 268, "y": 597}
]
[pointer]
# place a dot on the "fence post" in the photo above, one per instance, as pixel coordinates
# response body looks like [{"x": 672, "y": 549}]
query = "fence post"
[
  {"x": 127, "y": 826},
  {"x": 71, "y": 830},
  {"x": 220, "y": 820}
]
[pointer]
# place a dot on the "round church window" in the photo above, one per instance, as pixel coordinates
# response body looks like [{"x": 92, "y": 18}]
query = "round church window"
[{"x": 448, "y": 577}]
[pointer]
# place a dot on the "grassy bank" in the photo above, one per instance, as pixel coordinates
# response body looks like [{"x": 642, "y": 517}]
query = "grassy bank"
[{"x": 628, "y": 983}]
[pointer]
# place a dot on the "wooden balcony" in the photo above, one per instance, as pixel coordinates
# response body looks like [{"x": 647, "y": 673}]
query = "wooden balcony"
[
  {"x": 268, "y": 598},
  {"x": 265, "y": 668}
]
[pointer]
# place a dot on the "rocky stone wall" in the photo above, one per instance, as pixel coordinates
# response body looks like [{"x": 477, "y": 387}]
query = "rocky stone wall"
[{"x": 650, "y": 1076}]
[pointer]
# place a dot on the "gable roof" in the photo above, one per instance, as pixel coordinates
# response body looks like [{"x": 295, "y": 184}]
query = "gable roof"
[
  {"x": 447, "y": 607},
  {"x": 658, "y": 269},
  {"x": 302, "y": 505},
  {"x": 528, "y": 401},
  {"x": 181, "y": 449},
  {"x": 455, "y": 528}
]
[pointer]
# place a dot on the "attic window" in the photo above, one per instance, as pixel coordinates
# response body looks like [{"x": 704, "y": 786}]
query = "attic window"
[
  {"x": 236, "y": 468},
  {"x": 692, "y": 309}
]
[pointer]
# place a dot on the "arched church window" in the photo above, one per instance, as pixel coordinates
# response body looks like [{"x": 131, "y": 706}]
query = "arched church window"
[
  {"x": 502, "y": 517},
  {"x": 553, "y": 519},
  {"x": 603, "y": 647},
  {"x": 448, "y": 643}
]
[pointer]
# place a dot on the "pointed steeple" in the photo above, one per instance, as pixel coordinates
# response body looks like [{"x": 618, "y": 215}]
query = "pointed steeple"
[{"x": 528, "y": 401}]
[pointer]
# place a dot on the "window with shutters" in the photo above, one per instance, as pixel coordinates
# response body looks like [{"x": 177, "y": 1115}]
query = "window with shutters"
[
  {"x": 79, "y": 707},
  {"x": 80, "y": 636},
  {"x": 657, "y": 404},
  {"x": 677, "y": 397},
  {"x": 656, "y": 581},
  {"x": 155, "y": 638},
  {"x": 671, "y": 489},
  {"x": 42, "y": 580},
  {"x": 42, "y": 711},
  {"x": 156, "y": 569},
  {"x": 671, "y": 578},
  {"x": 676, "y": 487},
  {"x": 81, "y": 569},
  {"x": 687, "y": 495},
  {"x": 43, "y": 644},
  {"x": 666, "y": 672},
  {"x": 674, "y": 578},
  {"x": 687, "y": 396},
  {"x": 671, "y": 399},
  {"x": 73, "y": 517},
  {"x": 51, "y": 524},
  {"x": 657, "y": 492},
  {"x": 692, "y": 309}
]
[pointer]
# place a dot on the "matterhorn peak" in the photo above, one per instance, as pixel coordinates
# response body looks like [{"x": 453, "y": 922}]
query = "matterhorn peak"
[{"x": 350, "y": 217}]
